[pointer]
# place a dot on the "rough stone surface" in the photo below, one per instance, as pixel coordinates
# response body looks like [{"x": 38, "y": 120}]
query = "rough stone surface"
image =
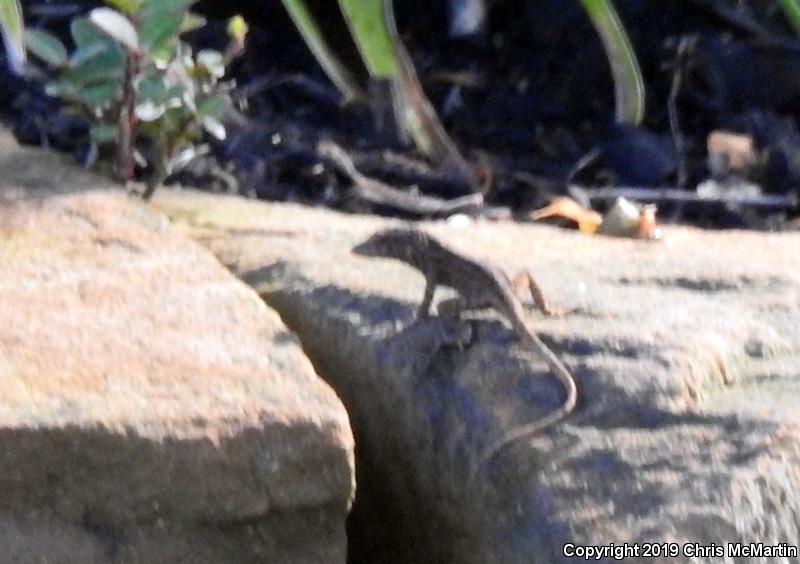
[
  {"x": 152, "y": 408},
  {"x": 7, "y": 140},
  {"x": 687, "y": 356},
  {"x": 32, "y": 173}
]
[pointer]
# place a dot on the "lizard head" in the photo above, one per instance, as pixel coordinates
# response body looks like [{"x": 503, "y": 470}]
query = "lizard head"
[{"x": 397, "y": 243}]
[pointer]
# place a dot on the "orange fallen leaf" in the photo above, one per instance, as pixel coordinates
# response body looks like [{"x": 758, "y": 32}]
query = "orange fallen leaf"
[
  {"x": 623, "y": 219},
  {"x": 588, "y": 220}
]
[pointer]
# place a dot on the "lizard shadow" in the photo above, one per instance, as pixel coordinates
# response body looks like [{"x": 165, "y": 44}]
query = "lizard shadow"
[
  {"x": 384, "y": 362},
  {"x": 468, "y": 392}
]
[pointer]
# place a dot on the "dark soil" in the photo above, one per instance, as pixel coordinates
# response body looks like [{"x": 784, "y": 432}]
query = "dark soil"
[{"x": 528, "y": 103}]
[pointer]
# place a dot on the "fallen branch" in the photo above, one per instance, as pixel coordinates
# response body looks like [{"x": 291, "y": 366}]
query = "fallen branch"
[
  {"x": 668, "y": 195},
  {"x": 377, "y": 192}
]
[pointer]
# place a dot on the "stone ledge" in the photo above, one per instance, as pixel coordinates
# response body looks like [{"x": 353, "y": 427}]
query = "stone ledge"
[
  {"x": 143, "y": 388},
  {"x": 686, "y": 355}
]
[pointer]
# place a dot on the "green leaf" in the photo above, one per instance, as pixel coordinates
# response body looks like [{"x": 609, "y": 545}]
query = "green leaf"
[
  {"x": 237, "y": 27},
  {"x": 46, "y": 46},
  {"x": 150, "y": 111},
  {"x": 330, "y": 63},
  {"x": 103, "y": 133},
  {"x": 82, "y": 54},
  {"x": 791, "y": 8},
  {"x": 185, "y": 156},
  {"x": 164, "y": 5},
  {"x": 98, "y": 95},
  {"x": 106, "y": 66},
  {"x": 214, "y": 105},
  {"x": 156, "y": 32},
  {"x": 214, "y": 127},
  {"x": 151, "y": 87},
  {"x": 212, "y": 61},
  {"x": 127, "y": 6},
  {"x": 174, "y": 120},
  {"x": 368, "y": 25},
  {"x": 58, "y": 89},
  {"x": 12, "y": 32},
  {"x": 174, "y": 96},
  {"x": 163, "y": 53},
  {"x": 156, "y": 97},
  {"x": 86, "y": 34},
  {"x": 191, "y": 21},
  {"x": 117, "y": 26},
  {"x": 156, "y": 9}
]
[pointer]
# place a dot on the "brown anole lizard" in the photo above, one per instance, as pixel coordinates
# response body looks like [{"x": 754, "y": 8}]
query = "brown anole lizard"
[{"x": 479, "y": 285}]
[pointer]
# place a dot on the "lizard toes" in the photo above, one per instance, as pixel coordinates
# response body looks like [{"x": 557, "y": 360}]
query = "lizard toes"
[{"x": 458, "y": 333}]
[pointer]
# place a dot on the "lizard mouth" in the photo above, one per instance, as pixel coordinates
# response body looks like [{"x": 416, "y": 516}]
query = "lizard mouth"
[{"x": 363, "y": 249}]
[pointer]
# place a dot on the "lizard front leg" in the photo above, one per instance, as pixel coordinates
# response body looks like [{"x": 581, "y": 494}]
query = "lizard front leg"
[
  {"x": 425, "y": 307},
  {"x": 451, "y": 310},
  {"x": 411, "y": 351}
]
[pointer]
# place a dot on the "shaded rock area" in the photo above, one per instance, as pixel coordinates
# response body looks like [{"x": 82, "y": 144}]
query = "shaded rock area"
[
  {"x": 152, "y": 408},
  {"x": 686, "y": 352}
]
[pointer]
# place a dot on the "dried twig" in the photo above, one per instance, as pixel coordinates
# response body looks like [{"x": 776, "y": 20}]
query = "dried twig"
[
  {"x": 669, "y": 195},
  {"x": 377, "y": 192},
  {"x": 681, "y": 63}
]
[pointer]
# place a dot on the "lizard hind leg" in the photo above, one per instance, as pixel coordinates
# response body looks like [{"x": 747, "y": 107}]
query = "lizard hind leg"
[{"x": 524, "y": 283}]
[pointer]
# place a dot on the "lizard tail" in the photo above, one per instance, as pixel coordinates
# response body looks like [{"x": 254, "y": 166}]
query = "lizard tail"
[{"x": 567, "y": 380}]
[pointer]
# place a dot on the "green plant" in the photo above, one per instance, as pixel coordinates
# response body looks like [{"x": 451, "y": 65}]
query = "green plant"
[
  {"x": 330, "y": 63},
  {"x": 371, "y": 24},
  {"x": 792, "y": 10},
  {"x": 140, "y": 85},
  {"x": 628, "y": 84},
  {"x": 393, "y": 82},
  {"x": 11, "y": 28},
  {"x": 373, "y": 28}
]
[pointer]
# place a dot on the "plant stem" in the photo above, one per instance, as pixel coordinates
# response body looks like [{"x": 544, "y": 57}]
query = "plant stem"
[
  {"x": 127, "y": 119},
  {"x": 159, "y": 173}
]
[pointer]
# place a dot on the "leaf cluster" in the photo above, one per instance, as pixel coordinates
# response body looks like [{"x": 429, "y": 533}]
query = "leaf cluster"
[{"x": 132, "y": 76}]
